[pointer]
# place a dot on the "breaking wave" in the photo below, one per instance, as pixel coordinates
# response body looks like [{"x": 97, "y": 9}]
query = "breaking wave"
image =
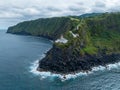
[{"x": 44, "y": 75}]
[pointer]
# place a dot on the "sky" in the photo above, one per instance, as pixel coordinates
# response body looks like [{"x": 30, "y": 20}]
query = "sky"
[{"x": 14, "y": 11}]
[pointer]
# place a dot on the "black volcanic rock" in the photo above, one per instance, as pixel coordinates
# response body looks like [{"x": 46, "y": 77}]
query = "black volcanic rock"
[
  {"x": 97, "y": 43},
  {"x": 92, "y": 40},
  {"x": 58, "y": 61}
]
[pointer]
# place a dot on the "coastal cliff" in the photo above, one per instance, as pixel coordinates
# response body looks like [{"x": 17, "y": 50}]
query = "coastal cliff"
[
  {"x": 50, "y": 28},
  {"x": 65, "y": 62},
  {"x": 79, "y": 43}
]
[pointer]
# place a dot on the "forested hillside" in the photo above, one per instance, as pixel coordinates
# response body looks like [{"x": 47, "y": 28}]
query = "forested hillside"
[
  {"x": 80, "y": 43},
  {"x": 51, "y": 28}
]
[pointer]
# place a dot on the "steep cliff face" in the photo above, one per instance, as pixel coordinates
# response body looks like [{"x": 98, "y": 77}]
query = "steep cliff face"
[
  {"x": 50, "y": 28},
  {"x": 79, "y": 43},
  {"x": 95, "y": 41},
  {"x": 64, "y": 61}
]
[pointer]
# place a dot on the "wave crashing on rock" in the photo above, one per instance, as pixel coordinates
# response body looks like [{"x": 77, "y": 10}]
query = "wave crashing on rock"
[{"x": 44, "y": 74}]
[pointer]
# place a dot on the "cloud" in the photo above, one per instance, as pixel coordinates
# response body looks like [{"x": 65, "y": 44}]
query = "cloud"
[
  {"x": 15, "y": 11},
  {"x": 100, "y": 4},
  {"x": 10, "y": 15}
]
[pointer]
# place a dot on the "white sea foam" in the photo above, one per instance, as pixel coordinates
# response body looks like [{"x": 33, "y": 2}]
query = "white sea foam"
[
  {"x": 112, "y": 66},
  {"x": 44, "y": 75},
  {"x": 99, "y": 68}
]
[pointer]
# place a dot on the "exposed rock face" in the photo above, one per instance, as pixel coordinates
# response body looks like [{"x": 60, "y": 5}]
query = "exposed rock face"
[
  {"x": 63, "y": 61},
  {"x": 87, "y": 41},
  {"x": 93, "y": 46}
]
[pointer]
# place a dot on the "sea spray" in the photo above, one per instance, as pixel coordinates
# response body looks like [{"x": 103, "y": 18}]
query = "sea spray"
[
  {"x": 47, "y": 74},
  {"x": 44, "y": 74}
]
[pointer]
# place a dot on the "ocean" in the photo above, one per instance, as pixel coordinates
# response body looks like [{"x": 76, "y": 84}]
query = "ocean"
[{"x": 19, "y": 56}]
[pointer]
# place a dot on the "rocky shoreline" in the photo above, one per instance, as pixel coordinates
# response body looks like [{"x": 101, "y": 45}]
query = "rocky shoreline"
[
  {"x": 79, "y": 43},
  {"x": 65, "y": 63}
]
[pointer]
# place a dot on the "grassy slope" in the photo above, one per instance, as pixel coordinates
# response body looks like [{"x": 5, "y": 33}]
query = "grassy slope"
[
  {"x": 98, "y": 34},
  {"x": 105, "y": 32}
]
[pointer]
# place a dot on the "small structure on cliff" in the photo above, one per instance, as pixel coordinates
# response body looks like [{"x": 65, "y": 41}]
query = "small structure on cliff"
[
  {"x": 77, "y": 28},
  {"x": 74, "y": 35},
  {"x": 61, "y": 40}
]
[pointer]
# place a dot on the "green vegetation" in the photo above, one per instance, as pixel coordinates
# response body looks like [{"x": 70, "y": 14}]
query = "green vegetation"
[
  {"x": 97, "y": 34},
  {"x": 48, "y": 27},
  {"x": 105, "y": 32}
]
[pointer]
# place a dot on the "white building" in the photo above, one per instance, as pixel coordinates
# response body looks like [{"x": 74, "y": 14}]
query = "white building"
[{"x": 61, "y": 40}]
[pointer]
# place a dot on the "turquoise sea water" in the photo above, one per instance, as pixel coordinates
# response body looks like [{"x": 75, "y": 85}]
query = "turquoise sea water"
[{"x": 17, "y": 55}]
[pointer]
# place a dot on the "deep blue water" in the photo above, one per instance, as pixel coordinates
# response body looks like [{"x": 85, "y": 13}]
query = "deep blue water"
[{"x": 17, "y": 53}]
